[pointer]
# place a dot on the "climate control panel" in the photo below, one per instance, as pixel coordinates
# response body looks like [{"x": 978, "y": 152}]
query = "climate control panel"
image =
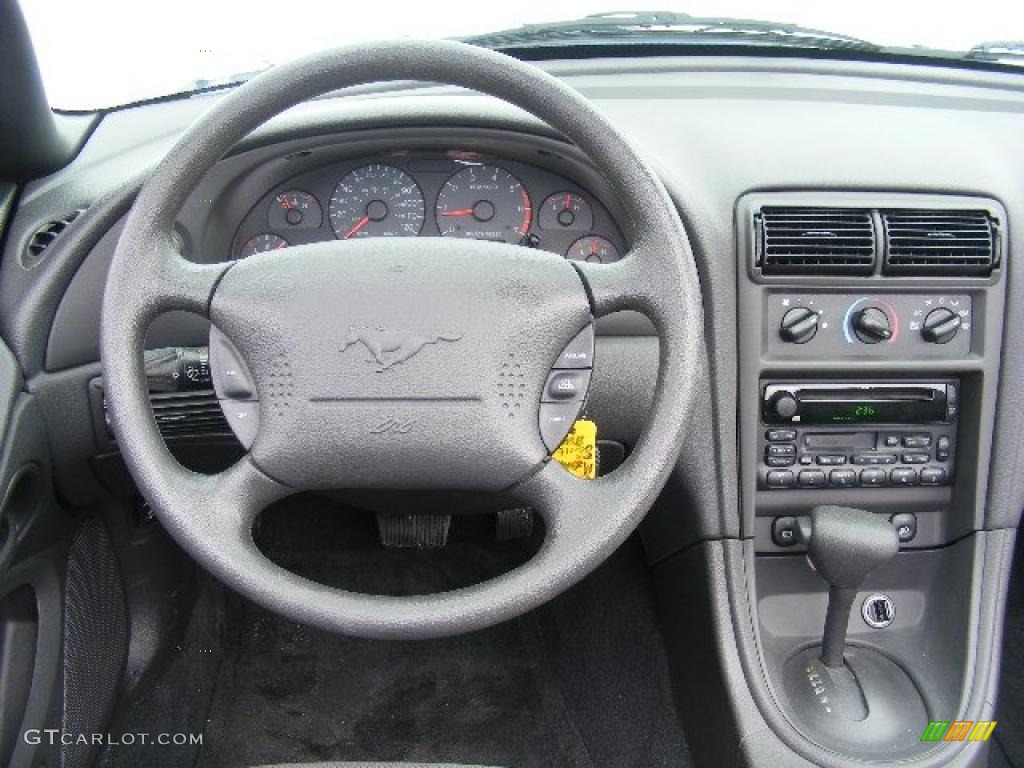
[{"x": 887, "y": 325}]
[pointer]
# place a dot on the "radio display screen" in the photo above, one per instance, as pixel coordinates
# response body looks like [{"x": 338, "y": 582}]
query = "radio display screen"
[
  {"x": 866, "y": 412},
  {"x": 908, "y": 405}
]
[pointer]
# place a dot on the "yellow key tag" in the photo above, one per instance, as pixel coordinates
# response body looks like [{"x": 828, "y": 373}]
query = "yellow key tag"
[{"x": 578, "y": 452}]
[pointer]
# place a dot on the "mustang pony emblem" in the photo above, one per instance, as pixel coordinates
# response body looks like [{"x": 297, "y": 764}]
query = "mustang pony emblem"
[{"x": 389, "y": 348}]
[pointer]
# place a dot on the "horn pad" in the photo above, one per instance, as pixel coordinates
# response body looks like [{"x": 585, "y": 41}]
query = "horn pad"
[{"x": 395, "y": 363}]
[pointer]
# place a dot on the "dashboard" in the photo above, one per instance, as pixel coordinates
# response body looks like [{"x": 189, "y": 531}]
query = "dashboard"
[
  {"x": 737, "y": 143},
  {"x": 432, "y": 193}
]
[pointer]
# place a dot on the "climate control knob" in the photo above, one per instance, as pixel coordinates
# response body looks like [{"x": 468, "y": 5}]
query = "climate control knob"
[
  {"x": 799, "y": 325},
  {"x": 872, "y": 325},
  {"x": 940, "y": 326}
]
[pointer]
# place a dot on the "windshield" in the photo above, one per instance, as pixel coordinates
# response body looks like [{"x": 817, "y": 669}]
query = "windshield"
[{"x": 113, "y": 52}]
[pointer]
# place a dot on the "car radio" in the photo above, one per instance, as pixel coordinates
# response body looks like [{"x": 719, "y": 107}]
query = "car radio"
[{"x": 857, "y": 434}]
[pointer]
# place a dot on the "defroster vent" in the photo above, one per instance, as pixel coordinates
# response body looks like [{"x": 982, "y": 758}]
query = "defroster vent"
[
  {"x": 939, "y": 242},
  {"x": 822, "y": 241}
]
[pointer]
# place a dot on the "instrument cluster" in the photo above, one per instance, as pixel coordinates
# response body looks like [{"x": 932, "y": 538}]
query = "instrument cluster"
[{"x": 433, "y": 194}]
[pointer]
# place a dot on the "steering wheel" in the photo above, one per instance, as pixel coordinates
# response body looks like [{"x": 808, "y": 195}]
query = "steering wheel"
[{"x": 489, "y": 322}]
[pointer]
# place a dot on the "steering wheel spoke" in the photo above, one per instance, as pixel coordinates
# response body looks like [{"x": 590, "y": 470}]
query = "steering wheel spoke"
[
  {"x": 631, "y": 283},
  {"x": 214, "y": 514}
]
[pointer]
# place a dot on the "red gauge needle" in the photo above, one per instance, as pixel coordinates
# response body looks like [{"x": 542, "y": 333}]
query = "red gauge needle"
[
  {"x": 460, "y": 212},
  {"x": 356, "y": 227}
]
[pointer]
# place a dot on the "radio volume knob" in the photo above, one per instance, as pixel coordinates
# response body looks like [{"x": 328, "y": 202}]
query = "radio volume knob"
[
  {"x": 940, "y": 326},
  {"x": 784, "y": 405},
  {"x": 872, "y": 325},
  {"x": 799, "y": 325}
]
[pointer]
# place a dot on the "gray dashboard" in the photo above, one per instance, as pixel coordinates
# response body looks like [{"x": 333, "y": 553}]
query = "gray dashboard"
[{"x": 716, "y": 130}]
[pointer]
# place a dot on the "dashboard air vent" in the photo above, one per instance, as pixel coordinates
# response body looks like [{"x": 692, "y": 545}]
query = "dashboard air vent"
[
  {"x": 824, "y": 241},
  {"x": 188, "y": 414},
  {"x": 937, "y": 242},
  {"x": 45, "y": 235}
]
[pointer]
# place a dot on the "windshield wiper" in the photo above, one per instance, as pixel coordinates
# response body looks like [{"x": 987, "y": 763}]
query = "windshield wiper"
[{"x": 660, "y": 26}]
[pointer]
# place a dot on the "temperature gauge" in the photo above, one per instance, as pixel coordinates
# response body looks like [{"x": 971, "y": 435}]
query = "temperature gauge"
[
  {"x": 295, "y": 210},
  {"x": 593, "y": 248},
  {"x": 566, "y": 211},
  {"x": 261, "y": 244}
]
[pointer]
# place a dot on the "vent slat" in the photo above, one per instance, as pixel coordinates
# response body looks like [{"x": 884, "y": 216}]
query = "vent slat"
[
  {"x": 816, "y": 241},
  {"x": 937, "y": 242},
  {"x": 189, "y": 414},
  {"x": 45, "y": 236}
]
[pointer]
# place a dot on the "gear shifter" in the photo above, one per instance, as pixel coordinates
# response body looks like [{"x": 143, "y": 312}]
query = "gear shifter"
[
  {"x": 844, "y": 546},
  {"x": 856, "y": 699}
]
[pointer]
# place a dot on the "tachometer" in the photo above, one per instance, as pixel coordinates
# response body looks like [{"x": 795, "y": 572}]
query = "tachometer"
[
  {"x": 262, "y": 243},
  {"x": 593, "y": 248},
  {"x": 377, "y": 200},
  {"x": 485, "y": 203},
  {"x": 295, "y": 210}
]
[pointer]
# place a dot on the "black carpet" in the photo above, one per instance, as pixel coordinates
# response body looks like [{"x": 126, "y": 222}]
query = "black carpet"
[
  {"x": 1008, "y": 749},
  {"x": 582, "y": 682}
]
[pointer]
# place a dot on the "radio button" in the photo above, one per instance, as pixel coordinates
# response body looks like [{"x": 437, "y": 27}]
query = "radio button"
[
  {"x": 830, "y": 459},
  {"x": 903, "y": 476},
  {"x": 942, "y": 448},
  {"x": 812, "y": 478},
  {"x": 916, "y": 458},
  {"x": 917, "y": 441},
  {"x": 933, "y": 476},
  {"x": 781, "y": 479},
  {"x": 842, "y": 478},
  {"x": 874, "y": 458},
  {"x": 780, "y": 435},
  {"x": 780, "y": 461},
  {"x": 784, "y": 405},
  {"x": 873, "y": 476},
  {"x": 780, "y": 450}
]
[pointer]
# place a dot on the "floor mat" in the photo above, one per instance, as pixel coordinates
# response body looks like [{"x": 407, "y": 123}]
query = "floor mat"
[
  {"x": 289, "y": 693},
  {"x": 581, "y": 683}
]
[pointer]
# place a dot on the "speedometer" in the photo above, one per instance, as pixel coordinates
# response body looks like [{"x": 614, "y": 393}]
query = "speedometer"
[
  {"x": 486, "y": 203},
  {"x": 377, "y": 200}
]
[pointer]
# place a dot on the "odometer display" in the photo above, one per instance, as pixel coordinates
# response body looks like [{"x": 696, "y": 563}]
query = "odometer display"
[
  {"x": 377, "y": 200},
  {"x": 484, "y": 202}
]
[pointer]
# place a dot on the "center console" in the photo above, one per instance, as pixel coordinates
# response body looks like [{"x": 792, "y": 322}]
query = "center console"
[{"x": 870, "y": 327}]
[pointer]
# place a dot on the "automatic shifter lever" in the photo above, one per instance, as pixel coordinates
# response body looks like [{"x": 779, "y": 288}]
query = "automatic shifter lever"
[{"x": 844, "y": 545}]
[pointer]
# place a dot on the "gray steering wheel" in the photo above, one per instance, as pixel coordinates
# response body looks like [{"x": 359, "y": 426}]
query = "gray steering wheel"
[{"x": 494, "y": 313}]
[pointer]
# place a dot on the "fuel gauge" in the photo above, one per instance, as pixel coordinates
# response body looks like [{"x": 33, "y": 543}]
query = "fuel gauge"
[
  {"x": 261, "y": 244},
  {"x": 593, "y": 248},
  {"x": 295, "y": 210}
]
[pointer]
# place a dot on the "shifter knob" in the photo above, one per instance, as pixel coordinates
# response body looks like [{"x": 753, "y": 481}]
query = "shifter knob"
[{"x": 845, "y": 546}]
